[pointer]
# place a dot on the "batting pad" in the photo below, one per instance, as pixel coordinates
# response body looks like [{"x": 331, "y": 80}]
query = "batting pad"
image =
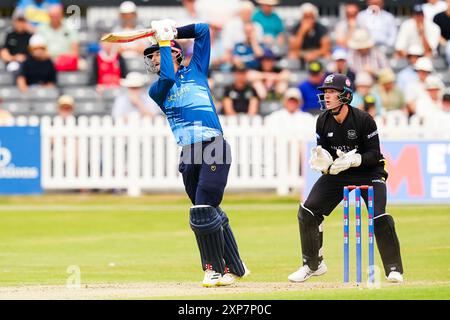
[
  {"x": 207, "y": 226},
  {"x": 232, "y": 258}
]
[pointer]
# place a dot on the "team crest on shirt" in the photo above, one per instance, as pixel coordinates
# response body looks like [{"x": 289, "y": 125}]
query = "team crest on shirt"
[
  {"x": 213, "y": 168},
  {"x": 351, "y": 134},
  {"x": 330, "y": 134}
]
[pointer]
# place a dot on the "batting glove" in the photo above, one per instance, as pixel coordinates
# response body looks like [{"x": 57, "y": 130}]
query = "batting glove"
[
  {"x": 164, "y": 29},
  {"x": 320, "y": 159},
  {"x": 345, "y": 161}
]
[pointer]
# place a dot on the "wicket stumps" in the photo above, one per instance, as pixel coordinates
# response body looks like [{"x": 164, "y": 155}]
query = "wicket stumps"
[{"x": 370, "y": 204}]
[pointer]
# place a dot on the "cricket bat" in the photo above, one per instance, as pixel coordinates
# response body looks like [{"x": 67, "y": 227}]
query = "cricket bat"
[{"x": 128, "y": 36}]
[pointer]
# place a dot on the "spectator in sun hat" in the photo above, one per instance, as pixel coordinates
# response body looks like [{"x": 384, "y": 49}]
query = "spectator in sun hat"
[
  {"x": 416, "y": 90},
  {"x": 66, "y": 106},
  {"x": 431, "y": 104},
  {"x": 363, "y": 55},
  {"x": 290, "y": 116},
  {"x": 134, "y": 98},
  {"x": 309, "y": 88},
  {"x": 128, "y": 22},
  {"x": 391, "y": 97}
]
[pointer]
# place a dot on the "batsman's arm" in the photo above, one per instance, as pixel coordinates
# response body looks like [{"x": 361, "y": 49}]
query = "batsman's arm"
[
  {"x": 159, "y": 90},
  {"x": 202, "y": 44}
]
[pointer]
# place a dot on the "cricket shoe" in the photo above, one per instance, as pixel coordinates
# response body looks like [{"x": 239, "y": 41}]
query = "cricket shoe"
[
  {"x": 304, "y": 273},
  {"x": 229, "y": 278},
  {"x": 211, "y": 278},
  {"x": 395, "y": 277}
]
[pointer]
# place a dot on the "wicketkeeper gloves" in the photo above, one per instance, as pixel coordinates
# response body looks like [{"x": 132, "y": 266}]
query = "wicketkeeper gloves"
[
  {"x": 320, "y": 160},
  {"x": 345, "y": 161}
]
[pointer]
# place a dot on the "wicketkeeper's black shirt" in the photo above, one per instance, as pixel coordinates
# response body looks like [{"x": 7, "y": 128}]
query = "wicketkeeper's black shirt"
[{"x": 359, "y": 131}]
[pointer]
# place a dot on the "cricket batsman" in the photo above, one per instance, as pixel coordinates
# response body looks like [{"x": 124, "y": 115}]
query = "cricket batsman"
[
  {"x": 347, "y": 153},
  {"x": 183, "y": 94}
]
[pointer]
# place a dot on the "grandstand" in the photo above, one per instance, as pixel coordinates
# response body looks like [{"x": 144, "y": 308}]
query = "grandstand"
[{"x": 102, "y": 17}]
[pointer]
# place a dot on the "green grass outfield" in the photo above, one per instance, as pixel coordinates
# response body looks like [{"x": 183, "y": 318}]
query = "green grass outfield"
[{"x": 117, "y": 242}]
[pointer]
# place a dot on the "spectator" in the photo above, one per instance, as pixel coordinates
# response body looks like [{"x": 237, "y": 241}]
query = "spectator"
[
  {"x": 416, "y": 90},
  {"x": 240, "y": 97},
  {"x": 108, "y": 67},
  {"x": 443, "y": 21},
  {"x": 408, "y": 75},
  {"x": 37, "y": 69},
  {"x": 290, "y": 116},
  {"x": 15, "y": 49},
  {"x": 61, "y": 40},
  {"x": 233, "y": 31},
  {"x": 66, "y": 106},
  {"x": 309, "y": 90},
  {"x": 134, "y": 100},
  {"x": 433, "y": 7},
  {"x": 417, "y": 31},
  {"x": 36, "y": 11},
  {"x": 271, "y": 22},
  {"x": 391, "y": 97},
  {"x": 382, "y": 24},
  {"x": 249, "y": 52},
  {"x": 369, "y": 105},
  {"x": 309, "y": 40},
  {"x": 431, "y": 104},
  {"x": 363, "y": 84},
  {"x": 128, "y": 22},
  {"x": 345, "y": 28},
  {"x": 340, "y": 65},
  {"x": 270, "y": 81},
  {"x": 364, "y": 56}
]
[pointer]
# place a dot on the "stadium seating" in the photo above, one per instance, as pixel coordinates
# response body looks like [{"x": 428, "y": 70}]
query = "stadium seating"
[
  {"x": 6, "y": 78},
  {"x": 76, "y": 78}
]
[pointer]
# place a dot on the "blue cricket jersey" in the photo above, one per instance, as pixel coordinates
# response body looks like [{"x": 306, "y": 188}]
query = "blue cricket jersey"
[{"x": 185, "y": 97}]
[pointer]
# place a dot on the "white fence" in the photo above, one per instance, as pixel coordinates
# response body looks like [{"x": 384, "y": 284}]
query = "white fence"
[{"x": 141, "y": 155}]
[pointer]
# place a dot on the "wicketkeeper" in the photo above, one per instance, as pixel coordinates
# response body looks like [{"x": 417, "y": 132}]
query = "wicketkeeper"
[
  {"x": 347, "y": 153},
  {"x": 183, "y": 94}
]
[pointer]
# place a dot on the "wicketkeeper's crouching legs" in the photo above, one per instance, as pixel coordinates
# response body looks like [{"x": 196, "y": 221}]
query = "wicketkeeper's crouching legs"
[{"x": 388, "y": 243}]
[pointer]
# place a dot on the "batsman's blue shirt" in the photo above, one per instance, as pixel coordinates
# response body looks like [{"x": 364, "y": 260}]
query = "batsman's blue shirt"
[{"x": 185, "y": 97}]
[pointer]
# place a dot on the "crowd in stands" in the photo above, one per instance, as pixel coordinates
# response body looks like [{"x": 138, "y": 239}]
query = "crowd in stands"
[{"x": 261, "y": 64}]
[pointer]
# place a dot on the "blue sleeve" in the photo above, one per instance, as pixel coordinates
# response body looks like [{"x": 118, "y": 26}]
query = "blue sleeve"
[
  {"x": 159, "y": 90},
  {"x": 202, "y": 48}
]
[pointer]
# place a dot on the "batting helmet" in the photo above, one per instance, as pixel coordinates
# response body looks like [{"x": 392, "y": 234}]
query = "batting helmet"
[{"x": 148, "y": 53}]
